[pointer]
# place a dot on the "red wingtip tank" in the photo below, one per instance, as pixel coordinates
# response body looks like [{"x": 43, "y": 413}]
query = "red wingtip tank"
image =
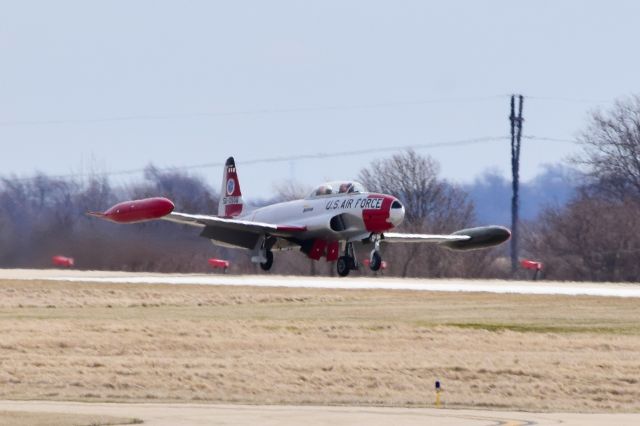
[{"x": 137, "y": 210}]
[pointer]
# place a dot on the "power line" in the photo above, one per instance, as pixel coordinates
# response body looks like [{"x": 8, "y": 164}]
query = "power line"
[
  {"x": 569, "y": 100},
  {"x": 263, "y": 111},
  {"x": 547, "y": 139},
  {"x": 313, "y": 156},
  {"x": 266, "y": 111}
]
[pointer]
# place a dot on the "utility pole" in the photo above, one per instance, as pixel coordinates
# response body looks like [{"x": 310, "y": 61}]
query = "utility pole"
[{"x": 516, "y": 137}]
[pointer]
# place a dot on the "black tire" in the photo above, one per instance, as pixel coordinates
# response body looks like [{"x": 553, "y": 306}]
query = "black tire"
[
  {"x": 267, "y": 265},
  {"x": 342, "y": 265},
  {"x": 375, "y": 262}
]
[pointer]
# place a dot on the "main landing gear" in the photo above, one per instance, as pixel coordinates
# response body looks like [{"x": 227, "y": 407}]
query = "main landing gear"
[
  {"x": 262, "y": 254},
  {"x": 347, "y": 262},
  {"x": 269, "y": 262}
]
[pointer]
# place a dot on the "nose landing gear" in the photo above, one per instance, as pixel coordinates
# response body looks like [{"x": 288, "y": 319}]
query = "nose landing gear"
[{"x": 375, "y": 260}]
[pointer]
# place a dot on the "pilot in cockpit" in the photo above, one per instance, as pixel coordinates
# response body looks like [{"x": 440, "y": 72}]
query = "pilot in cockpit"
[
  {"x": 324, "y": 190},
  {"x": 345, "y": 187}
]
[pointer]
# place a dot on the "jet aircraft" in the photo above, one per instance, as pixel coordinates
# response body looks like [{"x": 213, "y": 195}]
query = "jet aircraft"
[{"x": 327, "y": 223}]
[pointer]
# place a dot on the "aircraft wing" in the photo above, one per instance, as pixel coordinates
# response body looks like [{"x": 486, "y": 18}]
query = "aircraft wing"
[
  {"x": 465, "y": 239},
  {"x": 200, "y": 220},
  {"x": 162, "y": 208}
]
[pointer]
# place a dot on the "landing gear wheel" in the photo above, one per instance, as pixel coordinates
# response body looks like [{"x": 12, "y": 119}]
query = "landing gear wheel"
[
  {"x": 342, "y": 265},
  {"x": 267, "y": 265},
  {"x": 375, "y": 261}
]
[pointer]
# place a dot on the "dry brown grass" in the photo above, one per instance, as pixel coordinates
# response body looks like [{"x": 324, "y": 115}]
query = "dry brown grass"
[{"x": 120, "y": 342}]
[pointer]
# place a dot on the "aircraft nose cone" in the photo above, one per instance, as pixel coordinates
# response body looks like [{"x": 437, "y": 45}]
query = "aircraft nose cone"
[{"x": 396, "y": 213}]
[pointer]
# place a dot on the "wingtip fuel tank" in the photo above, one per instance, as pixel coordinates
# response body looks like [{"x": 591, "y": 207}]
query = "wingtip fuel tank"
[
  {"x": 481, "y": 237},
  {"x": 137, "y": 210}
]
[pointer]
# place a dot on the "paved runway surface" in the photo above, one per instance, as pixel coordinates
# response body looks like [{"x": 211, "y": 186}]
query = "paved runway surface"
[
  {"x": 451, "y": 285},
  {"x": 202, "y": 414}
]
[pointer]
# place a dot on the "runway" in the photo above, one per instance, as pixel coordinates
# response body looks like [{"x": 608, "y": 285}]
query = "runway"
[
  {"x": 203, "y": 414},
  {"x": 359, "y": 283}
]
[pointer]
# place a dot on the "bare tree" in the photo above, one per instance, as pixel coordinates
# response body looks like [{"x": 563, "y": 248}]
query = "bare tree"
[
  {"x": 290, "y": 190},
  {"x": 591, "y": 238},
  {"x": 43, "y": 216},
  {"x": 410, "y": 177},
  {"x": 431, "y": 205},
  {"x": 189, "y": 192},
  {"x": 611, "y": 148}
]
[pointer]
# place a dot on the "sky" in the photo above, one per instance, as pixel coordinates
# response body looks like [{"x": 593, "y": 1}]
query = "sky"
[{"x": 111, "y": 86}]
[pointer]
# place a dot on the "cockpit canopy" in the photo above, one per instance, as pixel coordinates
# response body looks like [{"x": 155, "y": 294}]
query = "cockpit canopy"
[{"x": 337, "y": 187}]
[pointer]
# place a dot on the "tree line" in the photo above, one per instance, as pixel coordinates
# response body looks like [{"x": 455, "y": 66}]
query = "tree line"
[{"x": 590, "y": 237}]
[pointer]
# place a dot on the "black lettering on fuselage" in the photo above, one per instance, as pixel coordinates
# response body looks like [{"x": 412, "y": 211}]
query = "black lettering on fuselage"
[
  {"x": 369, "y": 203},
  {"x": 355, "y": 203}
]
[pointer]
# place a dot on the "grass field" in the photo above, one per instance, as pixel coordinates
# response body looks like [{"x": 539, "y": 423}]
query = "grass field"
[{"x": 120, "y": 342}]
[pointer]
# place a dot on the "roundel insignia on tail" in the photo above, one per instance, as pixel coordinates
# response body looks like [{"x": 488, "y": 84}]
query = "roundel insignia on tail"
[{"x": 231, "y": 186}]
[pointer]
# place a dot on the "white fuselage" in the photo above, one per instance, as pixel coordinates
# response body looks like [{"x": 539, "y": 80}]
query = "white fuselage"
[{"x": 360, "y": 214}]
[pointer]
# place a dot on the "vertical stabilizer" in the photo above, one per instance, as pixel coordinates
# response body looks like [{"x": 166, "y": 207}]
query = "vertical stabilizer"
[{"x": 230, "y": 196}]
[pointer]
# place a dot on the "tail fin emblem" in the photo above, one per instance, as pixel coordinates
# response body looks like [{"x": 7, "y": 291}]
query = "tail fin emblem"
[{"x": 231, "y": 186}]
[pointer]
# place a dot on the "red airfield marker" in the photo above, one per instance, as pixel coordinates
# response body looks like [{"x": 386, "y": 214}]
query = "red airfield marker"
[
  {"x": 63, "y": 261},
  {"x": 219, "y": 264},
  {"x": 383, "y": 264},
  {"x": 532, "y": 265}
]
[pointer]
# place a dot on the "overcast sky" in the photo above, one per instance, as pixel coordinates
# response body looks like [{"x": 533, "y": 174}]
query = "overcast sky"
[{"x": 116, "y": 85}]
